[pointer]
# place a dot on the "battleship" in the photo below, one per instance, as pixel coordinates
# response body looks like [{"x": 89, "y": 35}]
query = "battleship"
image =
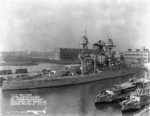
[{"x": 93, "y": 67}]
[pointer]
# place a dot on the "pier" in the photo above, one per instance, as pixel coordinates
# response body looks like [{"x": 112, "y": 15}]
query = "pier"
[{"x": 143, "y": 112}]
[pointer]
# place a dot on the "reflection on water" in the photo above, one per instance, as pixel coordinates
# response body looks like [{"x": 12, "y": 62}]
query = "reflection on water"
[{"x": 75, "y": 100}]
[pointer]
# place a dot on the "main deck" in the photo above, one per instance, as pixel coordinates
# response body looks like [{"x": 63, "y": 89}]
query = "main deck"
[{"x": 66, "y": 80}]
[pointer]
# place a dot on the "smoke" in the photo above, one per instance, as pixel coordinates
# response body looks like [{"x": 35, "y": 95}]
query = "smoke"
[
  {"x": 44, "y": 24},
  {"x": 147, "y": 72}
]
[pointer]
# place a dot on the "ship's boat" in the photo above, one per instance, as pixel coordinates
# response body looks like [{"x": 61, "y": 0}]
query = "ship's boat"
[
  {"x": 90, "y": 69},
  {"x": 137, "y": 100},
  {"x": 117, "y": 92}
]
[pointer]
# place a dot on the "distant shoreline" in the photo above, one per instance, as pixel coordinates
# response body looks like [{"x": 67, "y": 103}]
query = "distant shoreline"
[
  {"x": 17, "y": 64},
  {"x": 26, "y": 63}
]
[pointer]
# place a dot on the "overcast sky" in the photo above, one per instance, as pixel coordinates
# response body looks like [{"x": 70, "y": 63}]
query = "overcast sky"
[{"x": 46, "y": 24}]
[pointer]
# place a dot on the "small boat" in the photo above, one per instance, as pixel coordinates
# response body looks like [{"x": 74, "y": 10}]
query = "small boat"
[
  {"x": 115, "y": 93},
  {"x": 122, "y": 91},
  {"x": 138, "y": 99}
]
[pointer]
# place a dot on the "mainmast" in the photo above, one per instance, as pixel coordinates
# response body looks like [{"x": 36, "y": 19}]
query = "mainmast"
[{"x": 109, "y": 53}]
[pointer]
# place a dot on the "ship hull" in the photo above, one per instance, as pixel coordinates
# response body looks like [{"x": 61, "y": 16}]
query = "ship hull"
[
  {"x": 68, "y": 80},
  {"x": 112, "y": 99},
  {"x": 134, "y": 107}
]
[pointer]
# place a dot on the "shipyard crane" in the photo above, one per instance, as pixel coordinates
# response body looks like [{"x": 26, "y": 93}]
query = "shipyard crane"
[
  {"x": 100, "y": 46},
  {"x": 99, "y": 53},
  {"x": 105, "y": 50}
]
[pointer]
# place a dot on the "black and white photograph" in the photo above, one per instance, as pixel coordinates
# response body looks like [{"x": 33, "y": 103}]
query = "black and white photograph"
[{"x": 74, "y": 57}]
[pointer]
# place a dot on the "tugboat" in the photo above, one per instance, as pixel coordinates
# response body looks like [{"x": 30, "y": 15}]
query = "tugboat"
[
  {"x": 117, "y": 92},
  {"x": 143, "y": 82},
  {"x": 122, "y": 91},
  {"x": 137, "y": 100},
  {"x": 93, "y": 67}
]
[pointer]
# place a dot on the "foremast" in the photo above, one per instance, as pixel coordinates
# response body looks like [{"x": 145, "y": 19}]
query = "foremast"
[{"x": 85, "y": 55}]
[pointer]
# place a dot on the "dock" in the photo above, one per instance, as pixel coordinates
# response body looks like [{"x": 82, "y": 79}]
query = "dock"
[{"x": 143, "y": 112}]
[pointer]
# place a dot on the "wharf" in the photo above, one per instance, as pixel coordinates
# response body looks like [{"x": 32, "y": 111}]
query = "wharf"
[{"x": 143, "y": 112}]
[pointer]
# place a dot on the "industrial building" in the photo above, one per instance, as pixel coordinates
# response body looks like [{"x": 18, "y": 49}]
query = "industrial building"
[
  {"x": 64, "y": 54},
  {"x": 23, "y": 55},
  {"x": 39, "y": 54},
  {"x": 67, "y": 53},
  {"x": 137, "y": 56}
]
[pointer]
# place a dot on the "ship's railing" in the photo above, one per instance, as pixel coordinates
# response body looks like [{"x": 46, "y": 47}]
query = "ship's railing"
[
  {"x": 45, "y": 76},
  {"x": 21, "y": 76},
  {"x": 38, "y": 75}
]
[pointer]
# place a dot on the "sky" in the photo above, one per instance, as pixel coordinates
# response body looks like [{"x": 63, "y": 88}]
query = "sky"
[{"x": 47, "y": 24}]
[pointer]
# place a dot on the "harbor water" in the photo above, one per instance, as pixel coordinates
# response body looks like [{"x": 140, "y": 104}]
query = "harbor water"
[{"x": 74, "y": 100}]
